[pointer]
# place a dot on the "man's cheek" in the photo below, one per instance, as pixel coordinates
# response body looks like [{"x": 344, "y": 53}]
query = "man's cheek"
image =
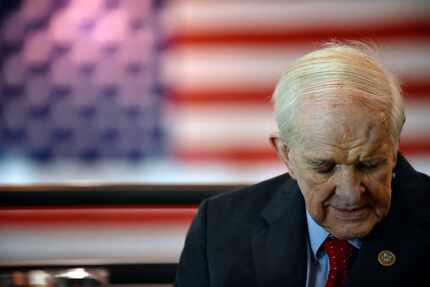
[
  {"x": 317, "y": 197},
  {"x": 378, "y": 182},
  {"x": 313, "y": 178}
]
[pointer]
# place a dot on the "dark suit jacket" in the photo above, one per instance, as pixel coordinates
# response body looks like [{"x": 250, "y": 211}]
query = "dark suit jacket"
[{"x": 258, "y": 237}]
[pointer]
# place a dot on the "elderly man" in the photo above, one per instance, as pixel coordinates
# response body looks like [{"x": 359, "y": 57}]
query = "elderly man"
[{"x": 350, "y": 212}]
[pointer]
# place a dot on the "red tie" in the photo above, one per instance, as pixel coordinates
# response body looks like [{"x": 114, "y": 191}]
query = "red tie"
[{"x": 339, "y": 253}]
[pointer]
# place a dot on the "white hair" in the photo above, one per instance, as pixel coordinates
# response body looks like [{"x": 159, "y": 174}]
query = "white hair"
[{"x": 354, "y": 66}]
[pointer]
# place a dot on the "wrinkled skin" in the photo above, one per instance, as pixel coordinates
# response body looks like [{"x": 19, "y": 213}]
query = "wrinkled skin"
[{"x": 343, "y": 163}]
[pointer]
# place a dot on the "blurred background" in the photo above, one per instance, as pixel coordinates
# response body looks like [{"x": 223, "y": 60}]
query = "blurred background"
[
  {"x": 178, "y": 91},
  {"x": 152, "y": 106}
]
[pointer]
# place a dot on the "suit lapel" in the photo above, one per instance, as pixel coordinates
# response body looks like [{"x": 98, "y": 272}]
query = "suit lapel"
[
  {"x": 279, "y": 242},
  {"x": 396, "y": 234},
  {"x": 367, "y": 268}
]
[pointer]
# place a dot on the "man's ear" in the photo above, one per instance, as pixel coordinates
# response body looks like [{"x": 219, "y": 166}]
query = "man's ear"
[
  {"x": 395, "y": 157},
  {"x": 282, "y": 151}
]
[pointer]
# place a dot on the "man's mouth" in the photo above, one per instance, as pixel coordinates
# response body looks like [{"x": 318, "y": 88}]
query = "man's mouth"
[{"x": 357, "y": 213}]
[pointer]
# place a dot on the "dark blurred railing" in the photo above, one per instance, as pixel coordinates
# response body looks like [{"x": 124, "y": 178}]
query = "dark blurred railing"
[{"x": 102, "y": 194}]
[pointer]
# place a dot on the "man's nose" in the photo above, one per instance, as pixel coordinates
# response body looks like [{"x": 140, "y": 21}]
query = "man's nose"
[{"x": 349, "y": 185}]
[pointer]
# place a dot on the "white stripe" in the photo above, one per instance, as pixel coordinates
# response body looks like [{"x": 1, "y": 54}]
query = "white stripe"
[
  {"x": 178, "y": 171},
  {"x": 417, "y": 125},
  {"x": 136, "y": 243},
  {"x": 225, "y": 16},
  {"x": 236, "y": 66},
  {"x": 168, "y": 171},
  {"x": 218, "y": 127},
  {"x": 226, "y": 66},
  {"x": 420, "y": 162}
]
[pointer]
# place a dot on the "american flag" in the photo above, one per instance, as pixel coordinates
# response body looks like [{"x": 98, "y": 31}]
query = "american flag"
[
  {"x": 184, "y": 83},
  {"x": 226, "y": 56}
]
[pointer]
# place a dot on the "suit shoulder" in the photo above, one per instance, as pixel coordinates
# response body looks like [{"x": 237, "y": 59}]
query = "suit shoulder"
[
  {"x": 249, "y": 200},
  {"x": 258, "y": 190},
  {"x": 411, "y": 194}
]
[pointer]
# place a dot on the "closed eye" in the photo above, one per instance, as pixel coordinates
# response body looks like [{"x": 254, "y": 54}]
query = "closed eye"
[
  {"x": 323, "y": 166},
  {"x": 368, "y": 165}
]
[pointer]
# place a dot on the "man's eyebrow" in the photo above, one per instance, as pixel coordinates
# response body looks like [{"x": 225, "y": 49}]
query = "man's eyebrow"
[
  {"x": 373, "y": 160},
  {"x": 373, "y": 157}
]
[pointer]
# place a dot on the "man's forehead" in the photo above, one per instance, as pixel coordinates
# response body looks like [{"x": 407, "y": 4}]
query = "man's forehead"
[
  {"x": 342, "y": 104},
  {"x": 341, "y": 124},
  {"x": 339, "y": 114},
  {"x": 339, "y": 96}
]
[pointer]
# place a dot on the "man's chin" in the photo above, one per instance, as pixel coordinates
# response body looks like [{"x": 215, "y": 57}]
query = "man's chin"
[{"x": 352, "y": 232}]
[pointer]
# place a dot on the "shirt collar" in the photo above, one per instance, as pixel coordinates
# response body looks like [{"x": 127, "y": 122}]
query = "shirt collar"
[{"x": 318, "y": 234}]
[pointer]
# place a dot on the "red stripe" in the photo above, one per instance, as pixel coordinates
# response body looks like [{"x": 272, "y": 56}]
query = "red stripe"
[
  {"x": 93, "y": 207},
  {"x": 248, "y": 155},
  {"x": 383, "y": 31},
  {"x": 104, "y": 216},
  {"x": 414, "y": 90},
  {"x": 232, "y": 154},
  {"x": 415, "y": 147},
  {"x": 223, "y": 95}
]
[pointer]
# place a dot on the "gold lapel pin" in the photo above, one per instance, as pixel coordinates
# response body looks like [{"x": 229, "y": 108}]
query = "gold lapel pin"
[{"x": 386, "y": 258}]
